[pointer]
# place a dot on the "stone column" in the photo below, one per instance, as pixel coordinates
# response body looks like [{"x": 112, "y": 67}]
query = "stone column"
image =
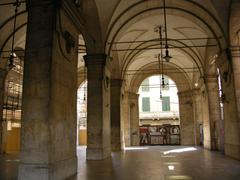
[
  {"x": 231, "y": 120},
  {"x": 197, "y": 104},
  {"x": 3, "y": 124},
  {"x": 233, "y": 54},
  {"x": 186, "y": 118},
  {"x": 232, "y": 85},
  {"x": 134, "y": 119},
  {"x": 98, "y": 107},
  {"x": 116, "y": 85},
  {"x": 48, "y": 132},
  {"x": 206, "y": 124},
  {"x": 125, "y": 120},
  {"x": 214, "y": 111}
]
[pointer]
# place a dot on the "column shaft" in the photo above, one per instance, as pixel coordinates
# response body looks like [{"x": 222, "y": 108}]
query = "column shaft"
[
  {"x": 197, "y": 104},
  {"x": 125, "y": 121},
  {"x": 3, "y": 124},
  {"x": 98, "y": 107},
  {"x": 231, "y": 85},
  {"x": 214, "y": 111},
  {"x": 116, "y": 114},
  {"x": 186, "y": 118},
  {"x": 48, "y": 132}
]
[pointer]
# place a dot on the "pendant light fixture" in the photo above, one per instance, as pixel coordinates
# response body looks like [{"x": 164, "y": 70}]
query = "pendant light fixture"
[
  {"x": 160, "y": 59},
  {"x": 12, "y": 54},
  {"x": 167, "y": 57}
]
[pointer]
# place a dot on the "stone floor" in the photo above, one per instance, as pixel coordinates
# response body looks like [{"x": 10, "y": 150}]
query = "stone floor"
[{"x": 147, "y": 163}]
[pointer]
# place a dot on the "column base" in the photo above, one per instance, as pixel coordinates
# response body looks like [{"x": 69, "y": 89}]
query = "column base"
[
  {"x": 135, "y": 140},
  {"x": 116, "y": 147},
  {"x": 115, "y": 139},
  {"x": 59, "y": 170},
  {"x": 187, "y": 141},
  {"x": 209, "y": 145},
  {"x": 98, "y": 153}
]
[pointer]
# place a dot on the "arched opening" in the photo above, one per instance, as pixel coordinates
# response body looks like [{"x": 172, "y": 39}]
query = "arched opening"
[
  {"x": 81, "y": 139},
  {"x": 12, "y": 107},
  {"x": 82, "y": 114},
  {"x": 194, "y": 43},
  {"x": 159, "y": 111}
]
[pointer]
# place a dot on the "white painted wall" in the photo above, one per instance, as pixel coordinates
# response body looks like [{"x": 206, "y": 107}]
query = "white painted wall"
[{"x": 155, "y": 101}]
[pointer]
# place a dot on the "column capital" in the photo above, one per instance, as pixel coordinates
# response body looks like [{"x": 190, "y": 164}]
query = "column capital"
[
  {"x": 196, "y": 91},
  {"x": 211, "y": 78},
  {"x": 95, "y": 59},
  {"x": 37, "y": 3},
  {"x": 116, "y": 82},
  {"x": 132, "y": 95},
  {"x": 186, "y": 93},
  {"x": 3, "y": 73}
]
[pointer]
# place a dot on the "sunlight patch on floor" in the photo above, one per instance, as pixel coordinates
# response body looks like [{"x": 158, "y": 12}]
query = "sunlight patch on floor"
[
  {"x": 135, "y": 148},
  {"x": 180, "y": 150},
  {"x": 177, "y": 177}
]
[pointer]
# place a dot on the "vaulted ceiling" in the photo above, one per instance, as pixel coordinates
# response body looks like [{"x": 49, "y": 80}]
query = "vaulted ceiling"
[{"x": 124, "y": 30}]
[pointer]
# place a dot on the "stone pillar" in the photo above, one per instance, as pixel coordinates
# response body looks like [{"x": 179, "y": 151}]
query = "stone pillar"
[
  {"x": 234, "y": 53},
  {"x": 214, "y": 111},
  {"x": 116, "y": 85},
  {"x": 98, "y": 107},
  {"x": 206, "y": 124},
  {"x": 231, "y": 120},
  {"x": 231, "y": 85},
  {"x": 186, "y": 118},
  {"x": 48, "y": 132},
  {"x": 3, "y": 124},
  {"x": 125, "y": 120},
  {"x": 134, "y": 119},
  {"x": 198, "y": 119}
]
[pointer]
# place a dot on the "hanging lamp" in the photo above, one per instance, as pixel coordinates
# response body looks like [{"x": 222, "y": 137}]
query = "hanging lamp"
[
  {"x": 160, "y": 59},
  {"x": 12, "y": 54},
  {"x": 167, "y": 57}
]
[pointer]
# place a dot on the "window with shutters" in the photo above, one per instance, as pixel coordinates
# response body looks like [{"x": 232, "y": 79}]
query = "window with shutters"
[
  {"x": 146, "y": 104},
  {"x": 166, "y": 103},
  {"x": 145, "y": 85}
]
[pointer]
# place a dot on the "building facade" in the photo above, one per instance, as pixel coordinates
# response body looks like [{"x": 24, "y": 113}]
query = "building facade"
[{"x": 157, "y": 106}]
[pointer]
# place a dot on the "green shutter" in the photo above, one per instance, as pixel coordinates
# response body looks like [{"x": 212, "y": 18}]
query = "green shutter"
[
  {"x": 146, "y": 104},
  {"x": 145, "y": 85},
  {"x": 166, "y": 103}
]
